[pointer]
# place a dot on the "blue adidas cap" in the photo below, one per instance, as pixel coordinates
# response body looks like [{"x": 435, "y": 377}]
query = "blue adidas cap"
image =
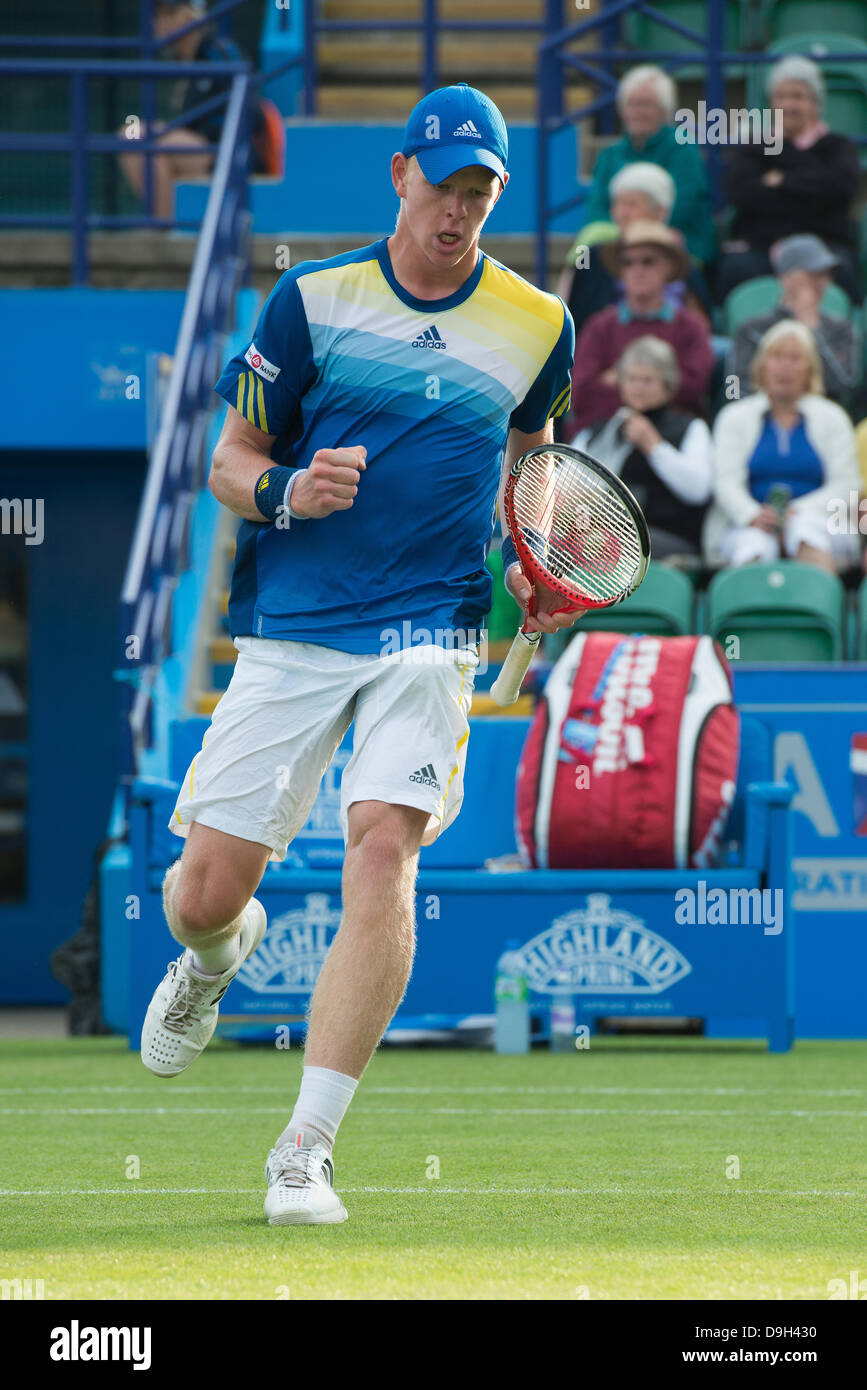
[{"x": 453, "y": 128}]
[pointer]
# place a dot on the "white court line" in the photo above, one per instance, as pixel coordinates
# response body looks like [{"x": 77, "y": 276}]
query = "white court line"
[
  {"x": 428, "y": 1110},
  {"x": 433, "y": 1189},
  {"x": 440, "y": 1090}
]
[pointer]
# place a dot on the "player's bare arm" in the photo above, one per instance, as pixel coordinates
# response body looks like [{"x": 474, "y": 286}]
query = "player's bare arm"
[
  {"x": 516, "y": 581},
  {"x": 242, "y": 454}
]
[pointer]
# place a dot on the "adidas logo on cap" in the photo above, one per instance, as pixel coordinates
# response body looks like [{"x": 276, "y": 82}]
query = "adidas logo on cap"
[
  {"x": 427, "y": 777},
  {"x": 430, "y": 338},
  {"x": 467, "y": 129}
]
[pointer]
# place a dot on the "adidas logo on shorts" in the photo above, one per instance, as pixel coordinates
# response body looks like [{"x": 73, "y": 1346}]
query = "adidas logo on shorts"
[
  {"x": 426, "y": 777},
  {"x": 467, "y": 129},
  {"x": 430, "y": 338}
]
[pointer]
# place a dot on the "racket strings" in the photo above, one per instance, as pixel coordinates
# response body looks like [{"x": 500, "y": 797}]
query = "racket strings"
[{"x": 577, "y": 527}]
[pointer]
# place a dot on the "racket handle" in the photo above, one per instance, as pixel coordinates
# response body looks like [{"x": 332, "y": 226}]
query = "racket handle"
[{"x": 507, "y": 686}]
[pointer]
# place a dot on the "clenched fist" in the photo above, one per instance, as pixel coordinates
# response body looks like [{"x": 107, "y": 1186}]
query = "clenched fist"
[{"x": 330, "y": 482}]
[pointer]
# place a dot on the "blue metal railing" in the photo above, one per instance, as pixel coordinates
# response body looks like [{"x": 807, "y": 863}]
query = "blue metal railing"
[
  {"x": 144, "y": 39},
  {"x": 79, "y": 143},
  {"x": 176, "y": 471},
  {"x": 598, "y": 65}
]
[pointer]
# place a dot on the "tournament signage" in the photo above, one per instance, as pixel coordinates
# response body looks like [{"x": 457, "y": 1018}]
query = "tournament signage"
[
  {"x": 600, "y": 947},
  {"x": 818, "y": 720},
  {"x": 294, "y": 949}
]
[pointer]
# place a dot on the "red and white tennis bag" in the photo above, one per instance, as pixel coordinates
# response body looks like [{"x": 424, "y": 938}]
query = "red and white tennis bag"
[{"x": 631, "y": 759}]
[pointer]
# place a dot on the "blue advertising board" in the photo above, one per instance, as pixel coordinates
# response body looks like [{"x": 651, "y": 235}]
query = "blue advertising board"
[
  {"x": 714, "y": 944},
  {"x": 818, "y": 721},
  {"x": 612, "y": 943}
]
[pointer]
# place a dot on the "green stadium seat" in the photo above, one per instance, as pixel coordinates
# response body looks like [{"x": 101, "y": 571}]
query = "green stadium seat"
[
  {"x": 861, "y": 623},
  {"x": 785, "y": 18},
  {"x": 778, "y": 612},
  {"x": 663, "y": 606},
  {"x": 749, "y": 300},
  {"x": 862, "y": 240},
  {"x": 845, "y": 82},
  {"x": 649, "y": 35},
  {"x": 758, "y": 296},
  {"x": 504, "y": 614}
]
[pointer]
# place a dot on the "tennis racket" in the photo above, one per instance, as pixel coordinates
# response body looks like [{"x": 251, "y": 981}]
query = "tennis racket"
[{"x": 578, "y": 529}]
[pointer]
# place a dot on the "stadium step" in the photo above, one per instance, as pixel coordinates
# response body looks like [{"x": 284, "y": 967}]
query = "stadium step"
[
  {"x": 147, "y": 259},
  {"x": 392, "y": 101},
  {"x": 223, "y": 650},
  {"x": 400, "y": 56},
  {"x": 483, "y": 704},
  {"x": 390, "y": 11},
  {"x": 502, "y": 62},
  {"x": 208, "y": 701}
]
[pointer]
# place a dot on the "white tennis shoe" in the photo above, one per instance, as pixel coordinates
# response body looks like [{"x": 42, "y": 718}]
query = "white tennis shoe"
[
  {"x": 300, "y": 1180},
  {"x": 182, "y": 1015}
]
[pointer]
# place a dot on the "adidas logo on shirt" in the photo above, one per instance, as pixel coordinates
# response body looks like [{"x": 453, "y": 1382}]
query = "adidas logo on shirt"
[
  {"x": 430, "y": 338},
  {"x": 426, "y": 777},
  {"x": 467, "y": 129}
]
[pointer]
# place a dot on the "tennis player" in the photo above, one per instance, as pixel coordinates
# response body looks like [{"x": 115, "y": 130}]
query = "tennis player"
[{"x": 362, "y": 449}]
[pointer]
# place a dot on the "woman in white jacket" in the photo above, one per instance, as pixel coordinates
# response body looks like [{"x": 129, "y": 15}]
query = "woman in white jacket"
[{"x": 783, "y": 458}]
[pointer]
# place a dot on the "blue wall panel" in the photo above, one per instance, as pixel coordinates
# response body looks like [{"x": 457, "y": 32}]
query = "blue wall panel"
[
  {"x": 71, "y": 354},
  {"x": 338, "y": 181}
]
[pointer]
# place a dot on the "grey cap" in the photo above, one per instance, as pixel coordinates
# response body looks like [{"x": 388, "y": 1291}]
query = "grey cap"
[{"x": 803, "y": 252}]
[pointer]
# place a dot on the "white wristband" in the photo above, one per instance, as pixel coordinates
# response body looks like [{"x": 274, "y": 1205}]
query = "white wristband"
[{"x": 287, "y": 506}]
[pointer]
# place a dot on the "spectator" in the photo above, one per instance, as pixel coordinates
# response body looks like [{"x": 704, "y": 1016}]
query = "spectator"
[
  {"x": 781, "y": 456},
  {"x": 647, "y": 100},
  {"x": 809, "y": 186},
  {"x": 803, "y": 265},
  {"x": 663, "y": 455},
  {"x": 647, "y": 257},
  {"x": 640, "y": 192},
  {"x": 200, "y": 45}
]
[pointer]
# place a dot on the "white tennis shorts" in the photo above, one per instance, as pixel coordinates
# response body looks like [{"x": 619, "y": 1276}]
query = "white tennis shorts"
[{"x": 284, "y": 714}]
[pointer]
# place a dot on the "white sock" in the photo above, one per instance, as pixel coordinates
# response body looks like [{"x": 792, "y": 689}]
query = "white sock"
[
  {"x": 322, "y": 1102},
  {"x": 216, "y": 959}
]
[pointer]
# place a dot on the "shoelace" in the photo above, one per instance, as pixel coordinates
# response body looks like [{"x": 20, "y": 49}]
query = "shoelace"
[
  {"x": 190, "y": 994},
  {"x": 290, "y": 1166}
]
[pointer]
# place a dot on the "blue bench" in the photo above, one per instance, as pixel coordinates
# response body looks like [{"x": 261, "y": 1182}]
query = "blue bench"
[{"x": 625, "y": 936}]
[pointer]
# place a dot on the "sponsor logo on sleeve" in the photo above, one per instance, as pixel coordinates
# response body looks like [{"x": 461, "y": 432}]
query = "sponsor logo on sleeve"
[{"x": 260, "y": 364}]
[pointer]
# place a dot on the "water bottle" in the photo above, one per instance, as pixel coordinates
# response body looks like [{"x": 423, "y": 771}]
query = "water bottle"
[
  {"x": 562, "y": 1016},
  {"x": 512, "y": 1028},
  {"x": 779, "y": 496}
]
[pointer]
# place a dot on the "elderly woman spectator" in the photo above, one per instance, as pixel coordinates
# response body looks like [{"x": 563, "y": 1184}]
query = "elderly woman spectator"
[
  {"x": 641, "y": 192},
  {"x": 809, "y": 186},
  {"x": 647, "y": 257},
  {"x": 647, "y": 101},
  {"x": 783, "y": 456},
  {"x": 664, "y": 455},
  {"x": 803, "y": 266}
]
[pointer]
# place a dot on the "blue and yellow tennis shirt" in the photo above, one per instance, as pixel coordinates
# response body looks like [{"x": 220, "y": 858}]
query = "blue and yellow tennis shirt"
[{"x": 343, "y": 355}]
